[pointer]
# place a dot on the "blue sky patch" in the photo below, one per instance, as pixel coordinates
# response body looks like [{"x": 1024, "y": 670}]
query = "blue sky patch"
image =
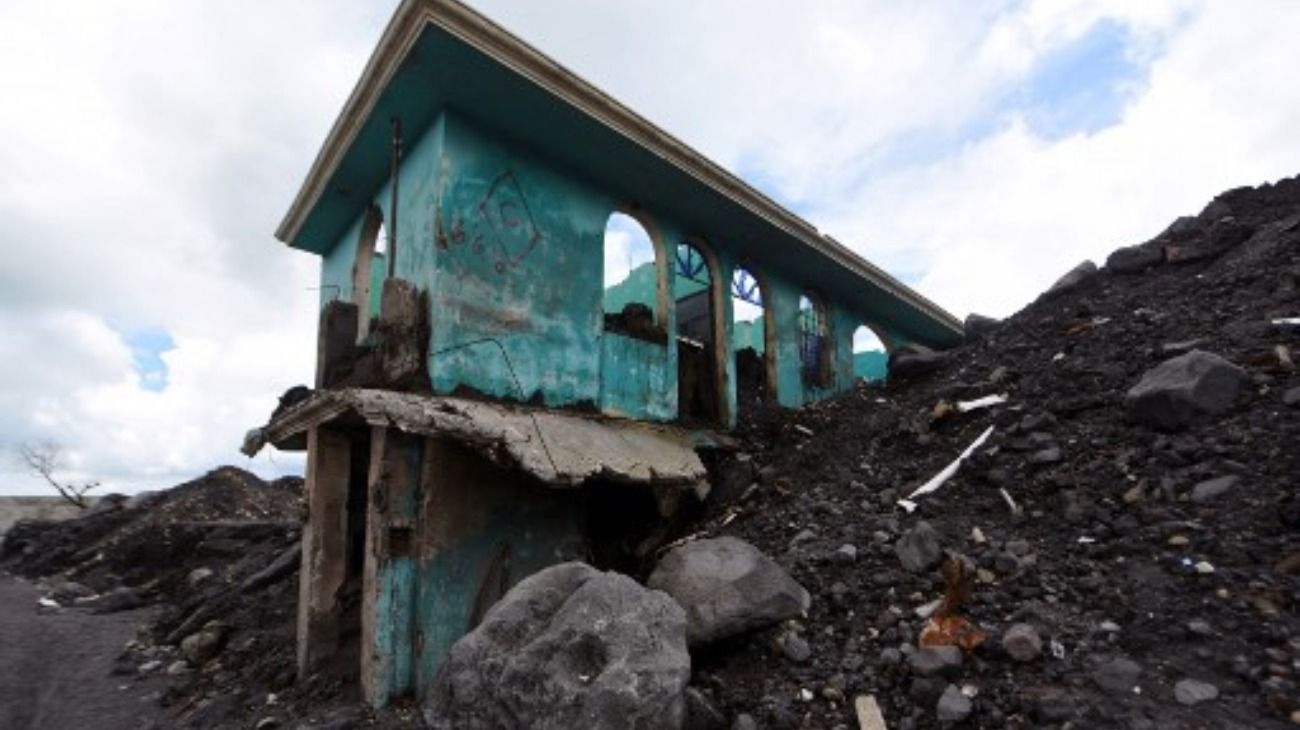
[
  {"x": 147, "y": 347},
  {"x": 1082, "y": 87}
]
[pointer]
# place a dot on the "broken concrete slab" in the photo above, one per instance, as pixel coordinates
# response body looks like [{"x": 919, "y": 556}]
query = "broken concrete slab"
[{"x": 562, "y": 449}]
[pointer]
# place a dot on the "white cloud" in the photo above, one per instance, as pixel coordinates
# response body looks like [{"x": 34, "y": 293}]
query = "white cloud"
[
  {"x": 151, "y": 147},
  {"x": 994, "y": 225}
]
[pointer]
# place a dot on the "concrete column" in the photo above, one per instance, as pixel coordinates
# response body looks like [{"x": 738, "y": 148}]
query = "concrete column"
[
  {"x": 324, "y": 547},
  {"x": 388, "y": 642}
]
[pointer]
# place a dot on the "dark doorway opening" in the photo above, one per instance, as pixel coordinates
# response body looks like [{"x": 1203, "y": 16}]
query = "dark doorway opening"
[
  {"x": 749, "y": 343},
  {"x": 698, "y": 383}
]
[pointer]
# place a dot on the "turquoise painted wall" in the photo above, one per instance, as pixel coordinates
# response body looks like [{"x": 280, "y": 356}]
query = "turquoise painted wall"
[
  {"x": 538, "y": 524},
  {"x": 415, "y": 251},
  {"x": 748, "y": 334},
  {"x": 871, "y": 364},
  {"x": 519, "y": 261},
  {"x": 511, "y": 248}
]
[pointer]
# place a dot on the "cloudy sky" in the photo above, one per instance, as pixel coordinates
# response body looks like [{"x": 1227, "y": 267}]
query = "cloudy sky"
[{"x": 977, "y": 150}]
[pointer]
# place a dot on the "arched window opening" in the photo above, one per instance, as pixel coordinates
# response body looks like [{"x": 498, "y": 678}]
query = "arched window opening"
[
  {"x": 698, "y": 381},
  {"x": 814, "y": 343},
  {"x": 368, "y": 271},
  {"x": 870, "y": 359},
  {"x": 381, "y": 240},
  {"x": 748, "y": 341},
  {"x": 631, "y": 279}
]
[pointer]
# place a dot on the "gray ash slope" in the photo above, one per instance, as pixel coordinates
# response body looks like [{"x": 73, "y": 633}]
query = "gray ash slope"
[{"x": 1103, "y": 559}]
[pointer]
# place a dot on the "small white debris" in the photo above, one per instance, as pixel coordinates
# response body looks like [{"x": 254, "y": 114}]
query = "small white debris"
[
  {"x": 806, "y": 695},
  {"x": 1086, "y": 540},
  {"x": 1011, "y": 503},
  {"x": 970, "y": 690},
  {"x": 272, "y": 698},
  {"x": 47, "y": 603},
  {"x": 966, "y": 406},
  {"x": 803, "y": 430},
  {"x": 1057, "y": 649},
  {"x": 977, "y": 536},
  {"x": 1287, "y": 322},
  {"x": 869, "y": 715},
  {"x": 927, "y": 610},
  {"x": 1109, "y": 627},
  {"x": 1204, "y": 568},
  {"x": 1058, "y": 357},
  {"x": 944, "y": 475}
]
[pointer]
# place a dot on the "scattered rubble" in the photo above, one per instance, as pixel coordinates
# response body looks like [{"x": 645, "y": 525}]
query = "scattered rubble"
[{"x": 1159, "y": 542}]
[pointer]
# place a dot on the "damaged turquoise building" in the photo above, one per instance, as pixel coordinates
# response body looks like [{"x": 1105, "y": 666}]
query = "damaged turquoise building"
[{"x": 487, "y": 402}]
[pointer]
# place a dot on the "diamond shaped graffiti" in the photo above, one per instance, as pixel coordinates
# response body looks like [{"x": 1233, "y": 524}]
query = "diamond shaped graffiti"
[{"x": 504, "y": 226}]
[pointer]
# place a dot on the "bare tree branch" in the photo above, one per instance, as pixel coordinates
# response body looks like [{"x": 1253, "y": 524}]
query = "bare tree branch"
[{"x": 44, "y": 459}]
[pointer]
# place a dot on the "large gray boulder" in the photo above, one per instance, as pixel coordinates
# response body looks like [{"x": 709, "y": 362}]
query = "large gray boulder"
[
  {"x": 1177, "y": 390},
  {"x": 727, "y": 587},
  {"x": 568, "y": 647}
]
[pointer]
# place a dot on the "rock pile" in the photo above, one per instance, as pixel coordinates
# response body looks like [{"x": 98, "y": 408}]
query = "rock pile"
[{"x": 1132, "y": 519}]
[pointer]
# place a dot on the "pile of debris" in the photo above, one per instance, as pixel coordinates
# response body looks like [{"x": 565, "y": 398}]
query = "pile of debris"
[
  {"x": 214, "y": 559},
  {"x": 1127, "y": 511}
]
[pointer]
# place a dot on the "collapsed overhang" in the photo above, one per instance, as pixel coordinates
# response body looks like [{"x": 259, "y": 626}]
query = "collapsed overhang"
[{"x": 560, "y": 449}]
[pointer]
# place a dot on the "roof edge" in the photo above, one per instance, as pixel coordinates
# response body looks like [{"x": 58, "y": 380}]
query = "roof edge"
[{"x": 512, "y": 52}]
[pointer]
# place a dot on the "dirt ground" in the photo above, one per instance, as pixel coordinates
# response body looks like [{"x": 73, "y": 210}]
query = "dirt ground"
[{"x": 57, "y": 668}]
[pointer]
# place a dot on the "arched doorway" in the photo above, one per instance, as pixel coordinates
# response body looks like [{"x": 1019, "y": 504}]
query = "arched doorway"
[
  {"x": 815, "y": 354},
  {"x": 749, "y": 342},
  {"x": 631, "y": 279},
  {"x": 699, "y": 379},
  {"x": 870, "y": 356},
  {"x": 369, "y": 269}
]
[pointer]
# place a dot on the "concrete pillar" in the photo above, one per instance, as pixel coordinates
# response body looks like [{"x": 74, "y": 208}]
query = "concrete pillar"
[
  {"x": 388, "y": 641},
  {"x": 324, "y": 547}
]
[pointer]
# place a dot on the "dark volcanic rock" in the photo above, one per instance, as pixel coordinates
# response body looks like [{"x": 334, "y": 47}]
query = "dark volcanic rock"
[
  {"x": 1134, "y": 259},
  {"x": 727, "y": 587},
  {"x": 121, "y": 598},
  {"x": 932, "y": 661},
  {"x": 953, "y": 706},
  {"x": 1212, "y": 488},
  {"x": 909, "y": 361},
  {"x": 977, "y": 325},
  {"x": 568, "y": 647},
  {"x": 1117, "y": 675},
  {"x": 919, "y": 549},
  {"x": 1172, "y": 394},
  {"x": 1073, "y": 278}
]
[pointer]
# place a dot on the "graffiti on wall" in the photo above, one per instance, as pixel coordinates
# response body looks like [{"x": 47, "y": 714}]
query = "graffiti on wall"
[{"x": 500, "y": 225}]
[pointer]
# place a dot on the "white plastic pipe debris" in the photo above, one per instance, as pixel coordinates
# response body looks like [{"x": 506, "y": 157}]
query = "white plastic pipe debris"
[
  {"x": 1287, "y": 322},
  {"x": 945, "y": 474},
  {"x": 966, "y": 406},
  {"x": 1006, "y": 496}
]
